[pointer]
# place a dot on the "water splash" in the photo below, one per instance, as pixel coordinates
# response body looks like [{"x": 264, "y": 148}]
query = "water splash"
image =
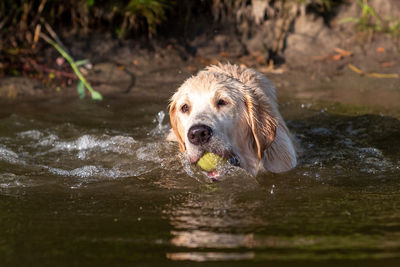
[
  {"x": 160, "y": 128},
  {"x": 9, "y": 156},
  {"x": 105, "y": 143},
  {"x": 80, "y": 157}
]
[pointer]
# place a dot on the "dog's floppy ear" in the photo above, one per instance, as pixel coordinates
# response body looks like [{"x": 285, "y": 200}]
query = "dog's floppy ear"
[
  {"x": 274, "y": 144},
  {"x": 176, "y": 126},
  {"x": 261, "y": 123},
  {"x": 281, "y": 156}
]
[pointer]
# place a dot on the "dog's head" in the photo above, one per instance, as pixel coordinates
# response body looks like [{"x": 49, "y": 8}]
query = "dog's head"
[{"x": 217, "y": 112}]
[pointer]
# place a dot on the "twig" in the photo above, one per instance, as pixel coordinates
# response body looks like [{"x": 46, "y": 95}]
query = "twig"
[
  {"x": 54, "y": 36},
  {"x": 5, "y": 20},
  {"x": 356, "y": 70},
  {"x": 39, "y": 12},
  {"x": 374, "y": 74},
  {"x": 36, "y": 36},
  {"x": 60, "y": 73},
  {"x": 32, "y": 65},
  {"x": 342, "y": 52},
  {"x": 383, "y": 75}
]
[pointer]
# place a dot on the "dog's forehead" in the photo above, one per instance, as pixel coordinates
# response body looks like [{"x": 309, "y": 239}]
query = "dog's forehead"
[
  {"x": 196, "y": 90},
  {"x": 206, "y": 84},
  {"x": 203, "y": 83}
]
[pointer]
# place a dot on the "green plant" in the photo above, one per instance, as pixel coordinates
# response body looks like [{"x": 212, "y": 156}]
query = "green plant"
[
  {"x": 393, "y": 27},
  {"x": 74, "y": 65},
  {"x": 370, "y": 20},
  {"x": 152, "y": 11}
]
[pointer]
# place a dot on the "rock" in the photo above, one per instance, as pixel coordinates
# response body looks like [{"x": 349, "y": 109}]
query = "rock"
[
  {"x": 221, "y": 43},
  {"x": 258, "y": 10},
  {"x": 311, "y": 37}
]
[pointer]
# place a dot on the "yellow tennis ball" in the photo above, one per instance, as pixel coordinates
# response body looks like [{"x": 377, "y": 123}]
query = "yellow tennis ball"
[{"x": 209, "y": 161}]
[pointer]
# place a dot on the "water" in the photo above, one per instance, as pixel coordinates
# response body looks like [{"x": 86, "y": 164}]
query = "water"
[{"x": 85, "y": 183}]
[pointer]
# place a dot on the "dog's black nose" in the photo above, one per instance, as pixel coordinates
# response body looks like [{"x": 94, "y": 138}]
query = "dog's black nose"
[{"x": 199, "y": 134}]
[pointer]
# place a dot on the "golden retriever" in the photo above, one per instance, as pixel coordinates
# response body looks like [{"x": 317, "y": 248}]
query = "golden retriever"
[{"x": 232, "y": 112}]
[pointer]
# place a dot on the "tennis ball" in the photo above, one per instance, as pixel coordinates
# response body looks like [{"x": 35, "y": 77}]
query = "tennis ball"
[{"x": 209, "y": 161}]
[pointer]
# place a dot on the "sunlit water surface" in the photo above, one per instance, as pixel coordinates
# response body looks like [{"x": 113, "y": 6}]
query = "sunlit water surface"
[{"x": 85, "y": 183}]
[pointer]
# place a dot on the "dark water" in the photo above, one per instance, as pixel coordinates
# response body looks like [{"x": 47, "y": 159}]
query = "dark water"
[{"x": 95, "y": 184}]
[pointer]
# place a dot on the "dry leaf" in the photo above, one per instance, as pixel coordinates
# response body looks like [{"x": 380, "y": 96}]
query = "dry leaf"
[
  {"x": 337, "y": 57},
  {"x": 380, "y": 49},
  {"x": 344, "y": 53},
  {"x": 388, "y": 64}
]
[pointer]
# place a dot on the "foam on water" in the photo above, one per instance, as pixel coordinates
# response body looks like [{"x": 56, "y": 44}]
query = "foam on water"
[
  {"x": 102, "y": 157},
  {"x": 68, "y": 151},
  {"x": 9, "y": 156},
  {"x": 81, "y": 155},
  {"x": 343, "y": 148},
  {"x": 107, "y": 165},
  {"x": 32, "y": 134},
  {"x": 92, "y": 171},
  {"x": 117, "y": 144}
]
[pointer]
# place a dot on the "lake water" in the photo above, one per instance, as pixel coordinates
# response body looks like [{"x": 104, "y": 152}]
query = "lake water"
[{"x": 95, "y": 184}]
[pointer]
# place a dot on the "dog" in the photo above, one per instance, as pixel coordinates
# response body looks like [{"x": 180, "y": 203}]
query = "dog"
[{"x": 232, "y": 112}]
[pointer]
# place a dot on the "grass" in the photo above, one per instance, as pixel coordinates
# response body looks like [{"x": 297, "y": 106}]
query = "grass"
[
  {"x": 369, "y": 20},
  {"x": 127, "y": 15},
  {"x": 153, "y": 11}
]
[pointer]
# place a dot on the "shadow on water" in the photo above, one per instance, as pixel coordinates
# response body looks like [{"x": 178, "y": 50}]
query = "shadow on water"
[{"x": 95, "y": 184}]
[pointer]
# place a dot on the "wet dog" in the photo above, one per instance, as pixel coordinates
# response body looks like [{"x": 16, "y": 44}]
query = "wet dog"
[{"x": 232, "y": 112}]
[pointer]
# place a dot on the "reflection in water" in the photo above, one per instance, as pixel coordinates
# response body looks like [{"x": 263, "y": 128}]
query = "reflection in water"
[
  {"x": 210, "y": 256},
  {"x": 207, "y": 239},
  {"x": 204, "y": 221},
  {"x": 303, "y": 218}
]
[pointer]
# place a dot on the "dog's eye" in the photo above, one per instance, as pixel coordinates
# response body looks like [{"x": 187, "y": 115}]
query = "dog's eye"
[
  {"x": 221, "y": 102},
  {"x": 185, "y": 108}
]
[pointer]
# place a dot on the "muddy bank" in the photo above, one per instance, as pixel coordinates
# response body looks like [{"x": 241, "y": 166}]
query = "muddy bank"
[
  {"x": 128, "y": 71},
  {"x": 309, "y": 56}
]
